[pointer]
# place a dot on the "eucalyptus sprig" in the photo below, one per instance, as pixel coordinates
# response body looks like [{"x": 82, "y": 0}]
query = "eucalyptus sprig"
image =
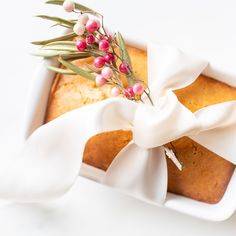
[{"x": 87, "y": 37}]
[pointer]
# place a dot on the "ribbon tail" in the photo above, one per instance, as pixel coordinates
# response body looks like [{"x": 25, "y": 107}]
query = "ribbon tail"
[
  {"x": 218, "y": 129},
  {"x": 139, "y": 172},
  {"x": 52, "y": 156},
  {"x": 47, "y": 166}
]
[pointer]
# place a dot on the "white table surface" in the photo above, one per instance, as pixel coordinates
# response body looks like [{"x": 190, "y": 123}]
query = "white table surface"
[{"x": 206, "y": 27}]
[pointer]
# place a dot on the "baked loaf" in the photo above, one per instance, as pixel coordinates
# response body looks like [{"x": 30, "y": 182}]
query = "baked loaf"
[{"x": 205, "y": 175}]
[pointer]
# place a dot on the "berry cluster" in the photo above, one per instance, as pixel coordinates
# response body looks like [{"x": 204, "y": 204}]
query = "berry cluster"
[
  {"x": 111, "y": 59},
  {"x": 93, "y": 38}
]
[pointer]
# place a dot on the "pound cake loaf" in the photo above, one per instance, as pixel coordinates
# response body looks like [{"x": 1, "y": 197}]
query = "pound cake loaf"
[{"x": 205, "y": 175}]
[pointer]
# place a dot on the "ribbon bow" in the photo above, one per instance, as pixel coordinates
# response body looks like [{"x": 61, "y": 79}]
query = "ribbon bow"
[{"x": 52, "y": 156}]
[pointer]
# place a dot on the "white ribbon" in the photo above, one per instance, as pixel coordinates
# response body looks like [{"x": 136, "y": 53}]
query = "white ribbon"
[{"x": 52, "y": 156}]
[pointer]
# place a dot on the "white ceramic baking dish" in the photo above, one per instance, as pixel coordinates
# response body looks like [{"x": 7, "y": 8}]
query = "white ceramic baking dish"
[{"x": 34, "y": 118}]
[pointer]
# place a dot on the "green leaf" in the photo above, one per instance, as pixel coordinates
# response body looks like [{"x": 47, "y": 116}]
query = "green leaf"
[
  {"x": 61, "y": 46},
  {"x": 72, "y": 43},
  {"x": 60, "y": 70},
  {"x": 125, "y": 56},
  {"x": 78, "y": 6},
  {"x": 61, "y": 38},
  {"x": 92, "y": 68},
  {"x": 75, "y": 56},
  {"x": 123, "y": 50},
  {"x": 63, "y": 54},
  {"x": 77, "y": 70},
  {"x": 57, "y": 24},
  {"x": 68, "y": 48},
  {"x": 46, "y": 54},
  {"x": 98, "y": 53},
  {"x": 58, "y": 20}
]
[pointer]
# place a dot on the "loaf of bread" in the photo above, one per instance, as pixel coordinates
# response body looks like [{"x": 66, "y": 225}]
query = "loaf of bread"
[{"x": 205, "y": 175}]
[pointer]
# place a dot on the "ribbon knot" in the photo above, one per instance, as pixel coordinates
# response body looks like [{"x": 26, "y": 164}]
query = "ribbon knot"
[{"x": 163, "y": 123}]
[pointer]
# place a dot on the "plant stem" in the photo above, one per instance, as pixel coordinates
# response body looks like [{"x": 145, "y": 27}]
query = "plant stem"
[{"x": 148, "y": 95}]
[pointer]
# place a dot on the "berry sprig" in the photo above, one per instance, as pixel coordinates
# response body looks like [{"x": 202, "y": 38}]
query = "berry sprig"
[{"x": 89, "y": 38}]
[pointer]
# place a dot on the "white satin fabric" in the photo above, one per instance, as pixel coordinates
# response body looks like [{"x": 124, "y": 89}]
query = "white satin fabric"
[{"x": 52, "y": 156}]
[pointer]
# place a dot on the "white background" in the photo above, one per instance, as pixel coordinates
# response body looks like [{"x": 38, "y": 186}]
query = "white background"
[{"x": 204, "y": 27}]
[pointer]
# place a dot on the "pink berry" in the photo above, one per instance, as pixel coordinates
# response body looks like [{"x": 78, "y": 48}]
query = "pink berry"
[
  {"x": 69, "y": 5},
  {"x": 129, "y": 93},
  {"x": 115, "y": 92},
  {"x": 100, "y": 80},
  {"x": 90, "y": 39},
  {"x": 124, "y": 68},
  {"x": 104, "y": 45},
  {"x": 109, "y": 57},
  {"x": 107, "y": 72},
  {"x": 83, "y": 19},
  {"x": 81, "y": 45},
  {"x": 99, "y": 62},
  {"x": 92, "y": 25},
  {"x": 79, "y": 29},
  {"x": 138, "y": 89}
]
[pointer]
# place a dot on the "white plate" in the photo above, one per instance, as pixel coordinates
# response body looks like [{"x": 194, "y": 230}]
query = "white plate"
[{"x": 34, "y": 118}]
